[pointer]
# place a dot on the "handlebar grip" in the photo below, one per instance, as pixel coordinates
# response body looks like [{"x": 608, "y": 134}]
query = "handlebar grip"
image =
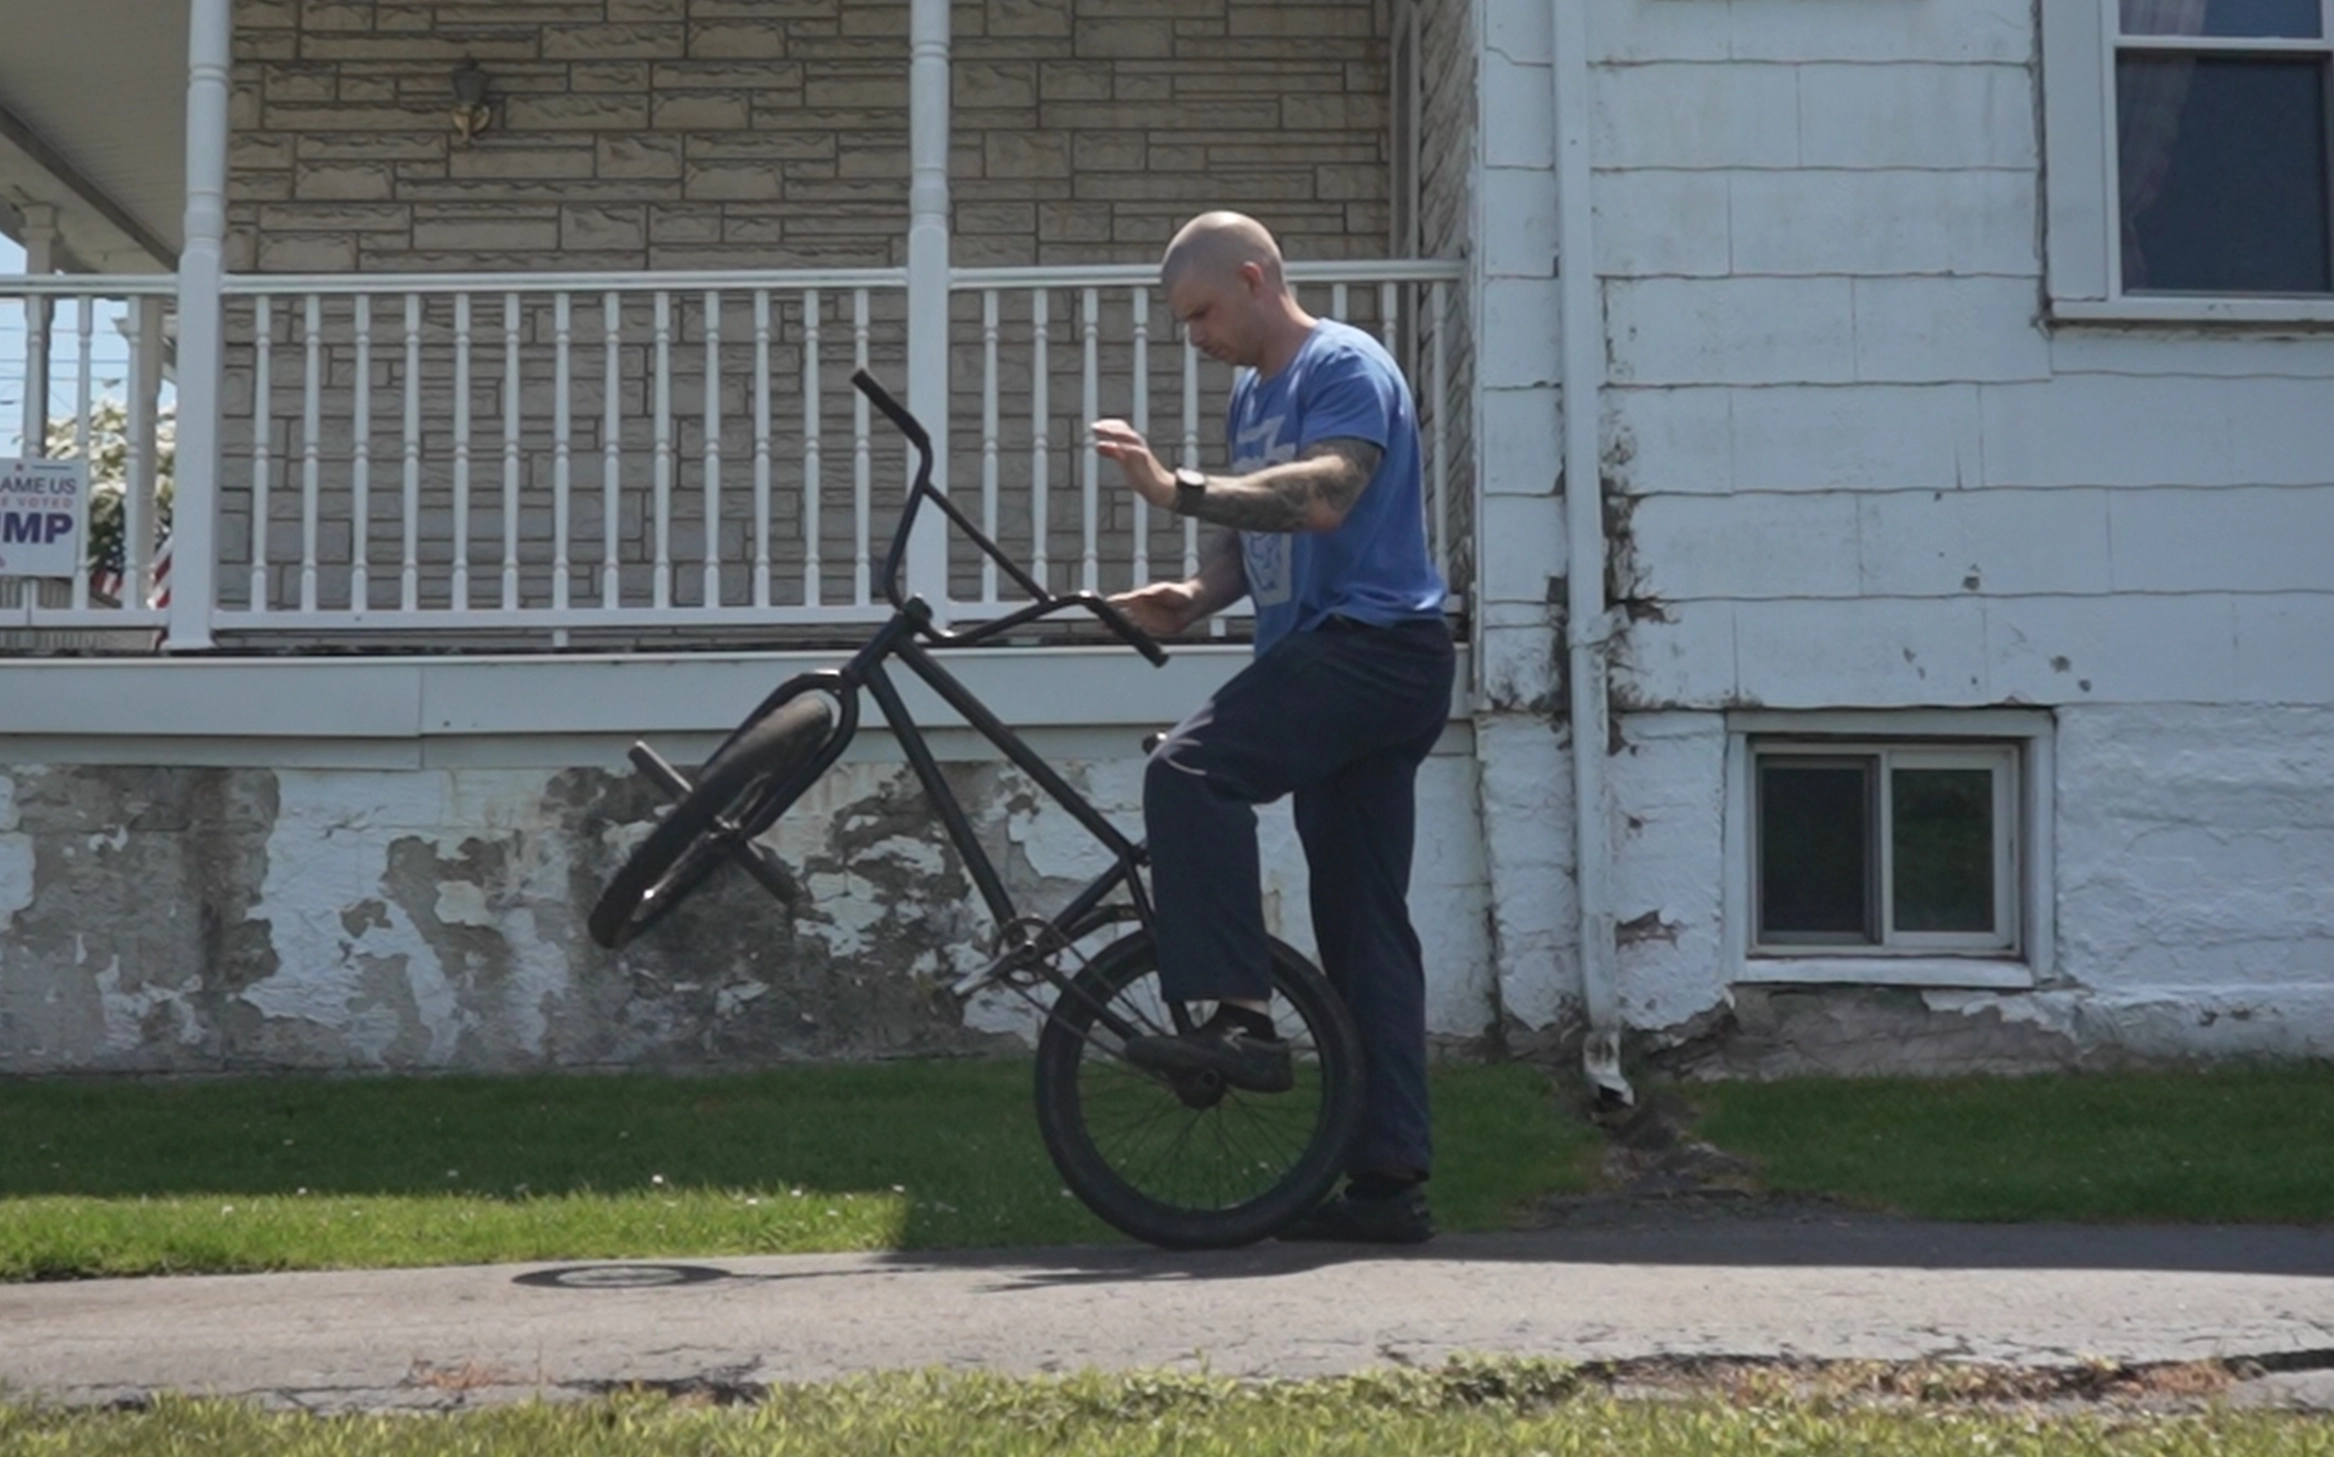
[
  {"x": 1141, "y": 641},
  {"x": 882, "y": 399}
]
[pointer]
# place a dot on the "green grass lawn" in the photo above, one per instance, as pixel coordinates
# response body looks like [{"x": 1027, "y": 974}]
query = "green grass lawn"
[
  {"x": 102, "y": 1178},
  {"x": 2236, "y": 1145},
  {"x": 1486, "y": 1408}
]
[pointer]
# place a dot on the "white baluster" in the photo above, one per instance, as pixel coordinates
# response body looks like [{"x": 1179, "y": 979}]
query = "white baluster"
[
  {"x": 989, "y": 439},
  {"x": 409, "y": 580},
  {"x": 1090, "y": 462},
  {"x": 810, "y": 447},
  {"x": 311, "y": 445},
  {"x": 711, "y": 465},
  {"x": 611, "y": 446},
  {"x": 662, "y": 436},
  {"x": 86, "y": 325},
  {"x": 562, "y": 444},
  {"x": 860, "y": 464},
  {"x": 761, "y": 447},
  {"x": 360, "y": 481},
  {"x": 461, "y": 584},
  {"x": 1140, "y": 305},
  {"x": 1390, "y": 319},
  {"x": 511, "y": 405},
  {"x": 263, "y": 328},
  {"x": 1039, "y": 432}
]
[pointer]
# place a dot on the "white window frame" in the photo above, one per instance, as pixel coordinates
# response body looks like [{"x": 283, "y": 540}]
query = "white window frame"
[
  {"x": 2024, "y": 862},
  {"x": 2079, "y": 42}
]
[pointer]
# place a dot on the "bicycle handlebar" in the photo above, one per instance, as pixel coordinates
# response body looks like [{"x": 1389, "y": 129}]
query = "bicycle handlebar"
[
  {"x": 1124, "y": 626},
  {"x": 909, "y": 425},
  {"x": 913, "y": 429}
]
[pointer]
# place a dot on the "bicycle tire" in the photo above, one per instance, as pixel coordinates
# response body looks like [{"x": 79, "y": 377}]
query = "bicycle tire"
[
  {"x": 1246, "y": 1164},
  {"x": 743, "y": 789}
]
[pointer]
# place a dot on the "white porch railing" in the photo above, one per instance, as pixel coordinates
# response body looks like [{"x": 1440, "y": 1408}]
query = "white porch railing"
[
  {"x": 92, "y": 386},
  {"x": 553, "y": 454},
  {"x": 1095, "y": 336}
]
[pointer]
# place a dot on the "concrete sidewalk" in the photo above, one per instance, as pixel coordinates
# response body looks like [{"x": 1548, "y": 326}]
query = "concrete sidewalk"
[{"x": 1811, "y": 1288}]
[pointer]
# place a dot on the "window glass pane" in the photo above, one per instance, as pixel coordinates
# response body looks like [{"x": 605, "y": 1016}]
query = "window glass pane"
[
  {"x": 2295, "y": 19},
  {"x": 2223, "y": 163},
  {"x": 1942, "y": 825},
  {"x": 1815, "y": 851}
]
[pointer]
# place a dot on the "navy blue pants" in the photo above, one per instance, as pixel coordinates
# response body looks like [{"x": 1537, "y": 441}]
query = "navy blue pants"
[{"x": 1341, "y": 717}]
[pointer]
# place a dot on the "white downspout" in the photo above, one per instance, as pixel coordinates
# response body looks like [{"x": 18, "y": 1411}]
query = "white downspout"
[
  {"x": 1588, "y": 625},
  {"x": 194, "y": 515},
  {"x": 928, "y": 126}
]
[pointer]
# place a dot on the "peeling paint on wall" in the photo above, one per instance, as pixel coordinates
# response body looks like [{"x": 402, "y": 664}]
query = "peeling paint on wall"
[{"x": 202, "y": 919}]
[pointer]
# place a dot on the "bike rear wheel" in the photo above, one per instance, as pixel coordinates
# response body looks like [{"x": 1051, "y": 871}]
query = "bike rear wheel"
[
  {"x": 1175, "y": 1162},
  {"x": 752, "y": 780}
]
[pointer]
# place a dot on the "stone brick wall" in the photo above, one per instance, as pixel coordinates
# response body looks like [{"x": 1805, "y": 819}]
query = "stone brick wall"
[
  {"x": 673, "y": 134},
  {"x": 632, "y": 134}
]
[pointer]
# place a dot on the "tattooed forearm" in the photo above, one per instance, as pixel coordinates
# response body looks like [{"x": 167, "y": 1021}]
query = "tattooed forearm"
[
  {"x": 1222, "y": 578},
  {"x": 1271, "y": 500},
  {"x": 1310, "y": 493}
]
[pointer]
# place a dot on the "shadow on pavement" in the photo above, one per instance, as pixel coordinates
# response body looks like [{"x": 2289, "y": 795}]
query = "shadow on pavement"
[{"x": 1742, "y": 1240}]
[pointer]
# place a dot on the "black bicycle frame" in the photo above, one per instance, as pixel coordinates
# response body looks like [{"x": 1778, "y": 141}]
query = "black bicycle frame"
[{"x": 903, "y": 636}]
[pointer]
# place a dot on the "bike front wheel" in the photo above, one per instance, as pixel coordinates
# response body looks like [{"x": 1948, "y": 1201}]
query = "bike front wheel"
[
  {"x": 743, "y": 789},
  {"x": 1178, "y": 1161}
]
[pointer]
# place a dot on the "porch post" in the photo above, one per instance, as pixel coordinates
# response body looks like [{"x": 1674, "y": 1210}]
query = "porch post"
[
  {"x": 201, "y": 325},
  {"x": 928, "y": 100},
  {"x": 40, "y": 312}
]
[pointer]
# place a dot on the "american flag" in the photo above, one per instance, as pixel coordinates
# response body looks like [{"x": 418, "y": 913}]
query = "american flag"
[{"x": 105, "y": 579}]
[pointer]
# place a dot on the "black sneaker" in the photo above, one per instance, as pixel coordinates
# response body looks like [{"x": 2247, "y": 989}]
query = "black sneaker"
[
  {"x": 1398, "y": 1218},
  {"x": 1220, "y": 1046}
]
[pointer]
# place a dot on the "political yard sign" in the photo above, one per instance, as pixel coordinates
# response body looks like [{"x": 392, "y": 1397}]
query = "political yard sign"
[{"x": 44, "y": 517}]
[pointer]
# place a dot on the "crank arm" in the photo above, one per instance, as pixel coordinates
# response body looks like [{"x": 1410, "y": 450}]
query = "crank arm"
[{"x": 759, "y": 860}]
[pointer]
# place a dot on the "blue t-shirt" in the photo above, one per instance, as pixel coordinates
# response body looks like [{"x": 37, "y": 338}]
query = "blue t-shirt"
[{"x": 1374, "y": 567}]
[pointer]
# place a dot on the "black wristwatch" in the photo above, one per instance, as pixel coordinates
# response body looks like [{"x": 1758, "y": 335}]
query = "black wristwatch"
[{"x": 1190, "y": 487}]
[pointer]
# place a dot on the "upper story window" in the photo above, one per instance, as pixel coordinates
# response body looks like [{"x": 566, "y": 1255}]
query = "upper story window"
[
  {"x": 2220, "y": 132},
  {"x": 2190, "y": 172}
]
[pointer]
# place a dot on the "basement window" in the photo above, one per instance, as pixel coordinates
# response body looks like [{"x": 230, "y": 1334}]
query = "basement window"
[{"x": 1884, "y": 847}]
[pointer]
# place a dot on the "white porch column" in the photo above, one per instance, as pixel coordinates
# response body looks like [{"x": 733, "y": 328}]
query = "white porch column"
[
  {"x": 928, "y": 101},
  {"x": 201, "y": 353},
  {"x": 40, "y": 259}
]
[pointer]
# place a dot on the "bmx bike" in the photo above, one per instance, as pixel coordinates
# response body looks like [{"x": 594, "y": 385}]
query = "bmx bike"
[{"x": 1180, "y": 1160}]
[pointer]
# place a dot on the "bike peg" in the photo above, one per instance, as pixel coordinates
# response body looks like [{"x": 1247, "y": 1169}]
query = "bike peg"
[{"x": 759, "y": 861}]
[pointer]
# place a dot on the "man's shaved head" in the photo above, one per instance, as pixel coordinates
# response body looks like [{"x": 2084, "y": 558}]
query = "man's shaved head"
[
  {"x": 1224, "y": 284},
  {"x": 1214, "y": 246}
]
